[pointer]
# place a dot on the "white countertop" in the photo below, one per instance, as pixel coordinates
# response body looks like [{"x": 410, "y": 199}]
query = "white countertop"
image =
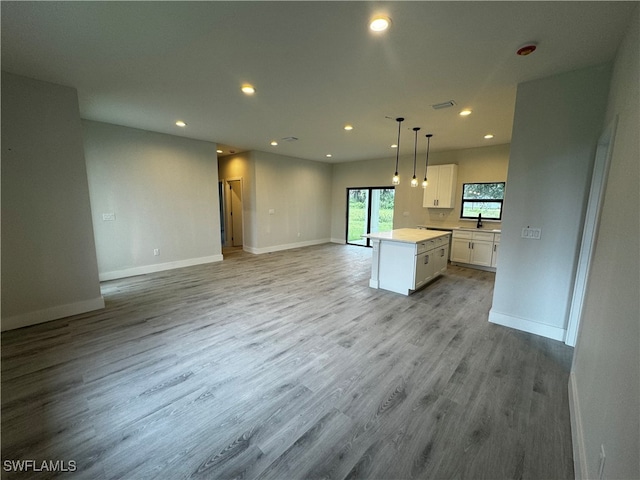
[{"x": 407, "y": 235}]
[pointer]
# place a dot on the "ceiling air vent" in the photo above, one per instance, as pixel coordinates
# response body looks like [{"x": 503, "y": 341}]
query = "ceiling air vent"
[
  {"x": 440, "y": 106},
  {"x": 290, "y": 139}
]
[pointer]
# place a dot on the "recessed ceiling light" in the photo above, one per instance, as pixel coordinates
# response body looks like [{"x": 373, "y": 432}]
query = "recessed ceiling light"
[
  {"x": 394, "y": 146},
  {"x": 219, "y": 151},
  {"x": 328, "y": 155},
  {"x": 465, "y": 112},
  {"x": 488, "y": 136},
  {"x": 180, "y": 123},
  {"x": 248, "y": 89},
  {"x": 380, "y": 23},
  {"x": 274, "y": 143},
  {"x": 348, "y": 127}
]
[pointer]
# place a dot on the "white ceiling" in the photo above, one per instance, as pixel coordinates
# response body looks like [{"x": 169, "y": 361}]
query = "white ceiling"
[{"x": 315, "y": 66}]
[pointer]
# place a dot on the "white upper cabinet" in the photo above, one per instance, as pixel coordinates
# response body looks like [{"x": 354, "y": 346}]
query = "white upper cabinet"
[{"x": 441, "y": 190}]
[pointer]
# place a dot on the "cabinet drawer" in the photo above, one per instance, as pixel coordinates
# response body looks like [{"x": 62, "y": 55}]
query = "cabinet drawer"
[
  {"x": 483, "y": 236},
  {"x": 462, "y": 234},
  {"x": 422, "y": 247},
  {"x": 442, "y": 241},
  {"x": 496, "y": 239}
]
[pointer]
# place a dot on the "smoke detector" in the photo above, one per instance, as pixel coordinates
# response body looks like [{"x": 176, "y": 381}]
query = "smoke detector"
[{"x": 527, "y": 49}]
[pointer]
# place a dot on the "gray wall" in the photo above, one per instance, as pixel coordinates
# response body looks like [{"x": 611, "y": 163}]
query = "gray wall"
[
  {"x": 483, "y": 164},
  {"x": 163, "y": 190},
  {"x": 556, "y": 127},
  {"x": 49, "y": 265},
  {"x": 297, "y": 191},
  {"x": 606, "y": 370}
]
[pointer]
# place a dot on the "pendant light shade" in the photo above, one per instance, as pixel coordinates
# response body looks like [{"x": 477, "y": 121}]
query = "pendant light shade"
[
  {"x": 426, "y": 162},
  {"x": 414, "y": 180},
  {"x": 396, "y": 177}
]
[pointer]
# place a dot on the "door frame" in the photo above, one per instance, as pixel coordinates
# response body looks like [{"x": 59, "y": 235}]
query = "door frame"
[
  {"x": 368, "y": 226},
  {"x": 604, "y": 151},
  {"x": 227, "y": 210}
]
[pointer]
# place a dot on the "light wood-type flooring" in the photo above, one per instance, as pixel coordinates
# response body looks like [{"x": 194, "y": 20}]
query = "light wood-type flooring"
[{"x": 287, "y": 366}]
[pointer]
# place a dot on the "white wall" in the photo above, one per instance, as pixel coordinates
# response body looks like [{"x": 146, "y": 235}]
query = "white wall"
[
  {"x": 483, "y": 164},
  {"x": 606, "y": 366},
  {"x": 49, "y": 265},
  {"x": 163, "y": 190},
  {"x": 556, "y": 127}
]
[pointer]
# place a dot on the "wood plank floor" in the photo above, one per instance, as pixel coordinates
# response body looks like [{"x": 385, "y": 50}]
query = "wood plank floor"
[{"x": 287, "y": 366}]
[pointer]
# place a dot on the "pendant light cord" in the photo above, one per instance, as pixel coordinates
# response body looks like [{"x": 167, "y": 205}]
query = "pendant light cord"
[
  {"x": 415, "y": 150},
  {"x": 426, "y": 163},
  {"x": 399, "y": 120}
]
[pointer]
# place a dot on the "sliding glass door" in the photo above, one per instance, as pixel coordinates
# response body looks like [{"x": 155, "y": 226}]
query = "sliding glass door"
[{"x": 369, "y": 210}]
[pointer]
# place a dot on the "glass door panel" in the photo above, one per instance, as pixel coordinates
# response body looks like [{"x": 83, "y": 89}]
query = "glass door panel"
[
  {"x": 357, "y": 215},
  {"x": 382, "y": 202},
  {"x": 369, "y": 210}
]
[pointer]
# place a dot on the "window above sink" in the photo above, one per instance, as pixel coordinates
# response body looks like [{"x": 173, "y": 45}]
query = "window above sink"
[{"x": 484, "y": 199}]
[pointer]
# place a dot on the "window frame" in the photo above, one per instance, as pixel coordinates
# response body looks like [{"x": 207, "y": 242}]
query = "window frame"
[{"x": 484, "y": 200}]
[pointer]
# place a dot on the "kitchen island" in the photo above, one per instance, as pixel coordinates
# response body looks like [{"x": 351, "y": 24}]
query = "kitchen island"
[{"x": 406, "y": 259}]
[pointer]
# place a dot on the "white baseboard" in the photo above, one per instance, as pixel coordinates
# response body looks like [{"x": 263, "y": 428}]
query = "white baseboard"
[
  {"x": 577, "y": 435},
  {"x": 158, "y": 267},
  {"x": 287, "y": 246},
  {"x": 548, "y": 331},
  {"x": 52, "y": 313},
  {"x": 339, "y": 240}
]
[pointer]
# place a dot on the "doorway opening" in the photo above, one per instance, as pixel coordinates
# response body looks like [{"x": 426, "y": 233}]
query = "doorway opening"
[
  {"x": 369, "y": 210},
  {"x": 232, "y": 224}
]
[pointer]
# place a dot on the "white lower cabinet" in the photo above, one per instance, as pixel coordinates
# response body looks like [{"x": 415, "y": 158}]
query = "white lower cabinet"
[
  {"x": 431, "y": 260},
  {"x": 406, "y": 267},
  {"x": 473, "y": 248}
]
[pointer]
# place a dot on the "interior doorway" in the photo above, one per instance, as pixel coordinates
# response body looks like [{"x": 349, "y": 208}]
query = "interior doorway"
[
  {"x": 369, "y": 210},
  {"x": 233, "y": 222},
  {"x": 604, "y": 152}
]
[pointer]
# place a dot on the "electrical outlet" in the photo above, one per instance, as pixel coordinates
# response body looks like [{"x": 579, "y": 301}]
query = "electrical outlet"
[
  {"x": 156, "y": 252},
  {"x": 108, "y": 217}
]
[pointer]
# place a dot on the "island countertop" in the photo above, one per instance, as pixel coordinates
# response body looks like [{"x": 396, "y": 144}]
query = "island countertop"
[{"x": 407, "y": 235}]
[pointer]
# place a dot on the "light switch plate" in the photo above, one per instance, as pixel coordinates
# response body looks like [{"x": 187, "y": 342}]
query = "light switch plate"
[{"x": 531, "y": 233}]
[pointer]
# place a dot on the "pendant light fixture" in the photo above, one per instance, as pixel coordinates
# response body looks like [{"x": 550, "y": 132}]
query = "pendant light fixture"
[
  {"x": 426, "y": 162},
  {"x": 414, "y": 180},
  {"x": 396, "y": 177}
]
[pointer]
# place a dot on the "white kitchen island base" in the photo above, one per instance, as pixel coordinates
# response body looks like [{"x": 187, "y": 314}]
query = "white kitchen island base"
[{"x": 406, "y": 259}]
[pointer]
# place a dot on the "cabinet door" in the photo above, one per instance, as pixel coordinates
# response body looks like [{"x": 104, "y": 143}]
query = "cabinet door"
[
  {"x": 441, "y": 191},
  {"x": 424, "y": 268},
  {"x": 481, "y": 253},
  {"x": 431, "y": 192},
  {"x": 446, "y": 186},
  {"x": 494, "y": 257},
  {"x": 441, "y": 255},
  {"x": 460, "y": 250}
]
